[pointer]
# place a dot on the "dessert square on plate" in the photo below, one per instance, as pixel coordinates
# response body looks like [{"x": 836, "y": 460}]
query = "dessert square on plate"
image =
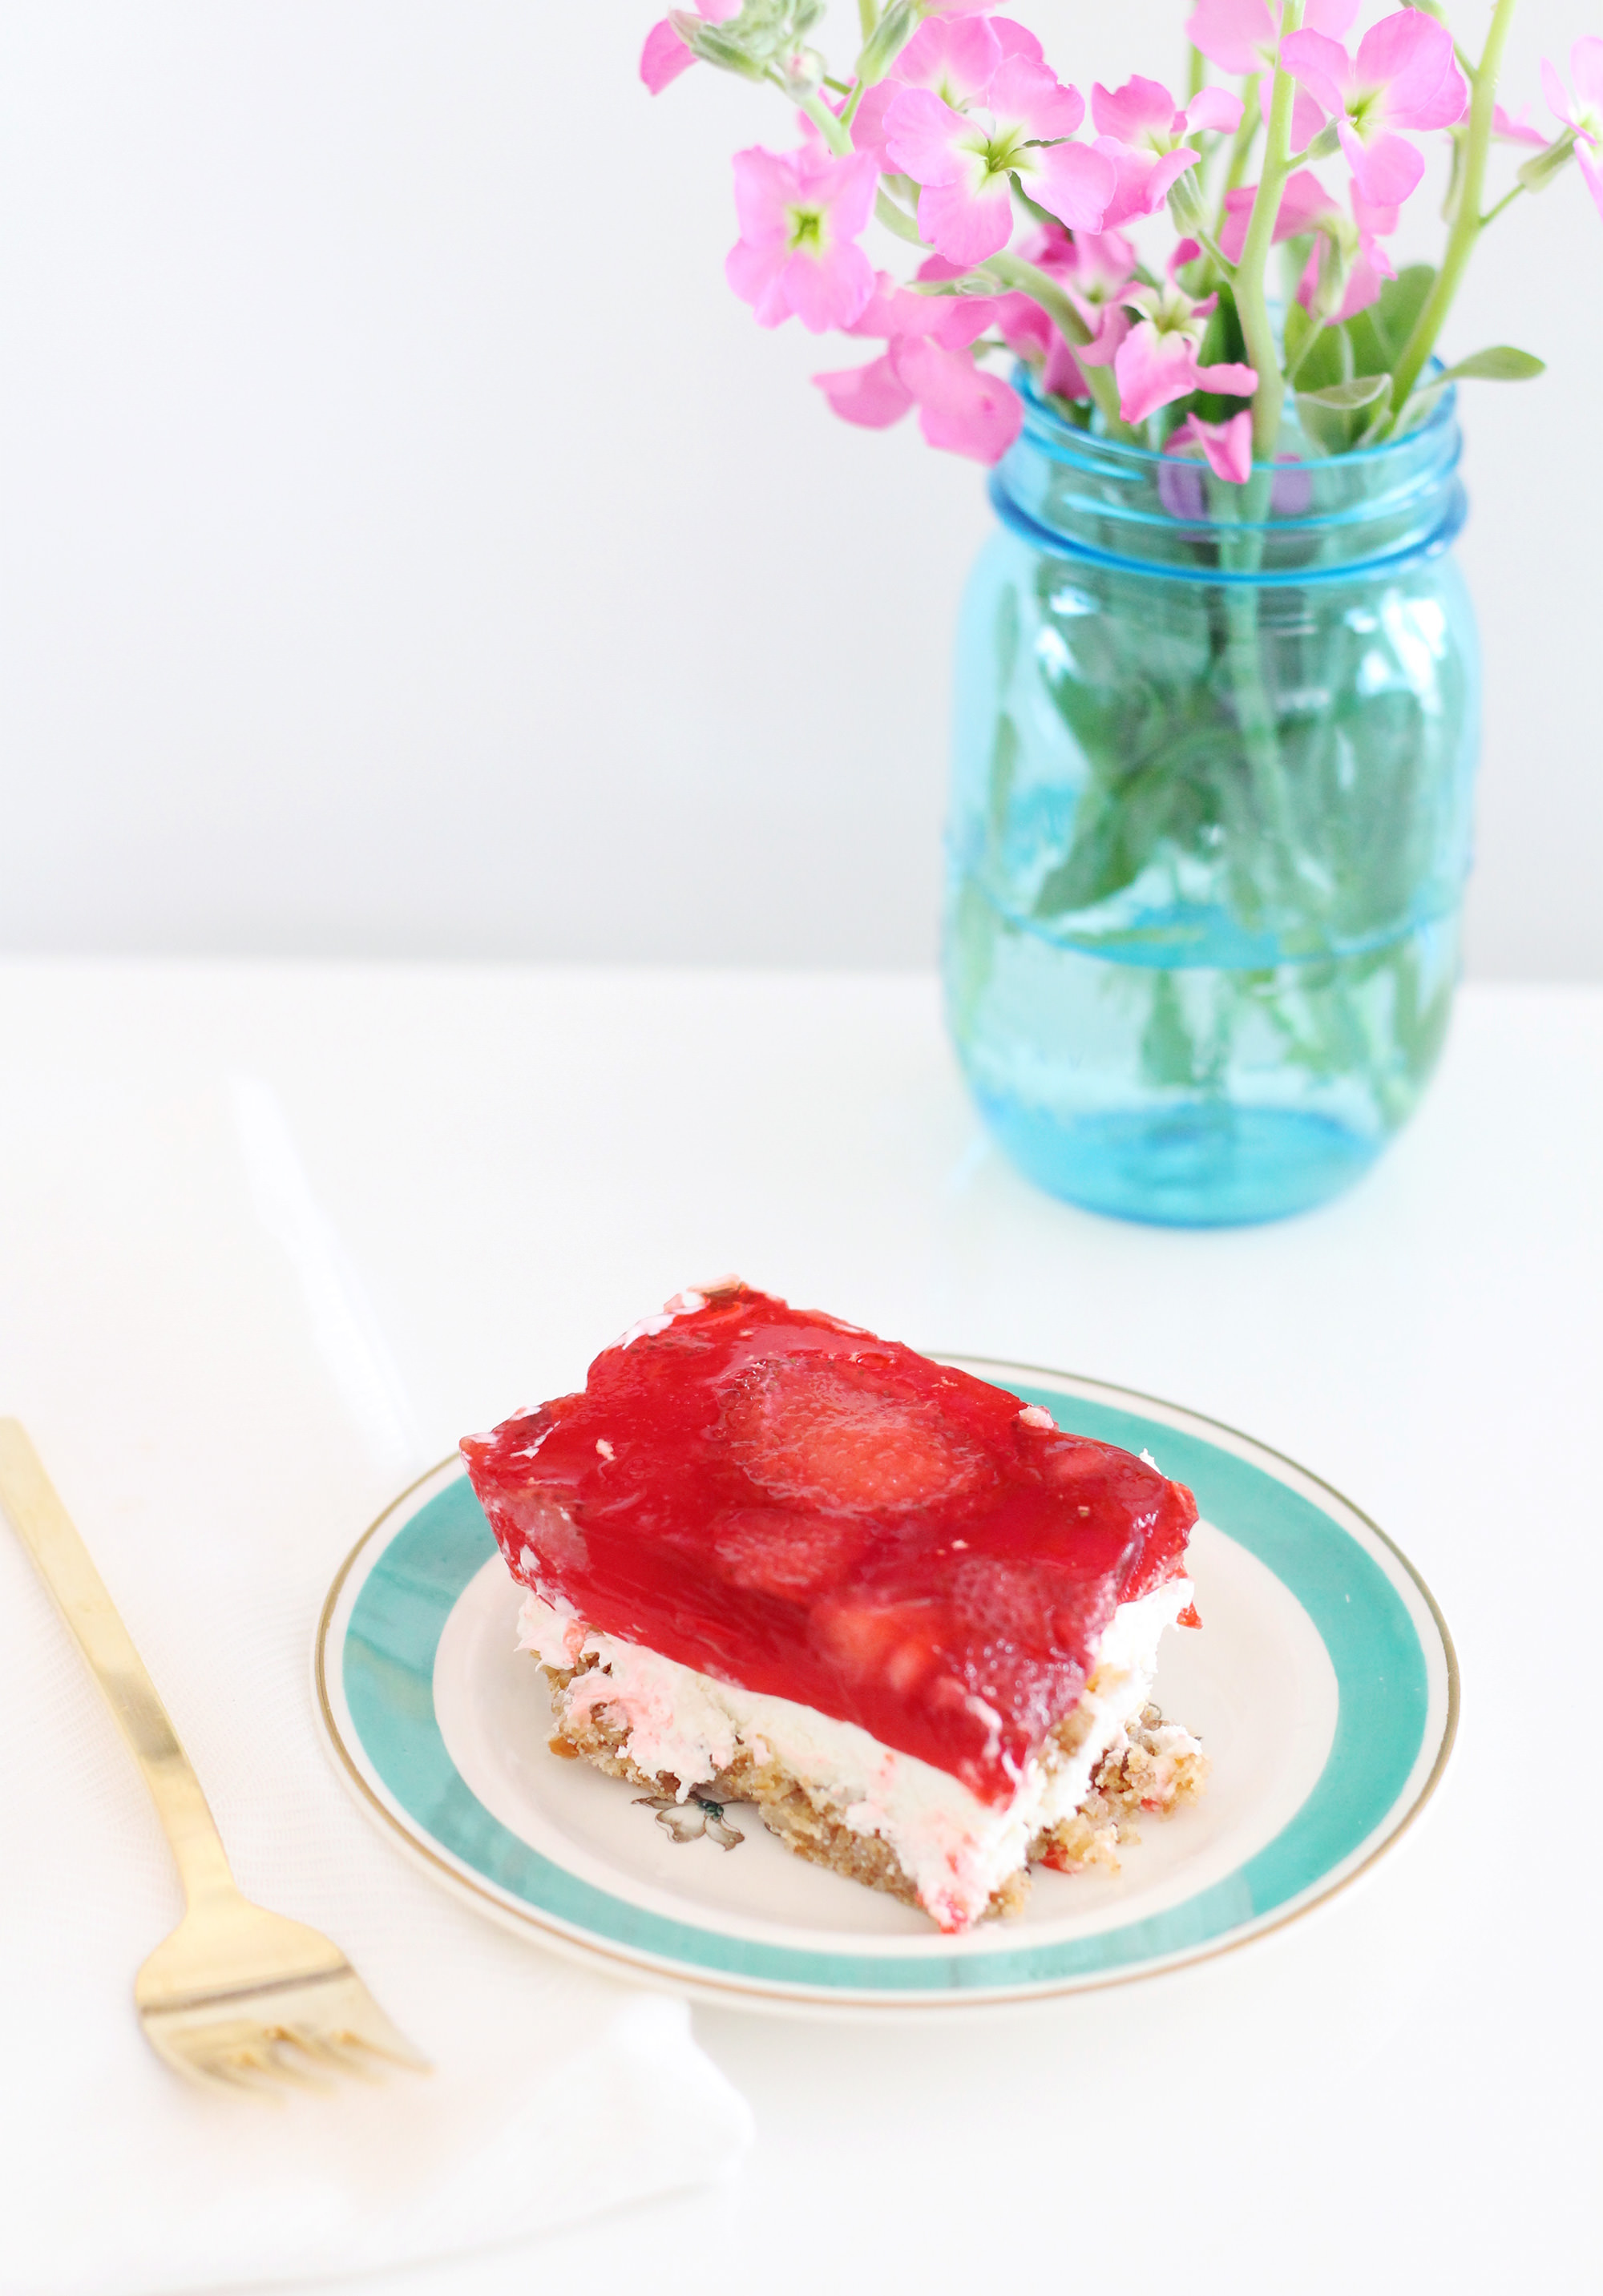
[{"x": 772, "y": 1558}]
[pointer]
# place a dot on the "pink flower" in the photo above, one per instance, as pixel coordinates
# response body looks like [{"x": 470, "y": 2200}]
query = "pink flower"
[
  {"x": 953, "y": 57},
  {"x": 1362, "y": 263},
  {"x": 1585, "y": 114},
  {"x": 800, "y": 214},
  {"x": 1508, "y": 129},
  {"x": 1241, "y": 35},
  {"x": 1093, "y": 268},
  {"x": 960, "y": 406},
  {"x": 1157, "y": 362},
  {"x": 1145, "y": 134},
  {"x": 1405, "y": 76},
  {"x": 965, "y": 160},
  {"x": 665, "y": 55},
  {"x": 1226, "y": 447}
]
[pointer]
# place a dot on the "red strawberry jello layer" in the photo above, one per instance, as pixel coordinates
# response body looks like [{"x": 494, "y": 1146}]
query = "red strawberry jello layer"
[{"x": 785, "y": 1523}]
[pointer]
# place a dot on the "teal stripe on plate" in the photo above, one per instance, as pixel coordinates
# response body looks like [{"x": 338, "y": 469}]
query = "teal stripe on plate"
[{"x": 1380, "y": 1669}]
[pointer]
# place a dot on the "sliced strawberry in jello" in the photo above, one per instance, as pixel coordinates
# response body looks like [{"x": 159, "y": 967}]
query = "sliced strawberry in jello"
[{"x": 787, "y": 1503}]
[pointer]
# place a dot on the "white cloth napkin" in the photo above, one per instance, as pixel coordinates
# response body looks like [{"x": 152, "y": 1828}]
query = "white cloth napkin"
[{"x": 182, "y": 1338}]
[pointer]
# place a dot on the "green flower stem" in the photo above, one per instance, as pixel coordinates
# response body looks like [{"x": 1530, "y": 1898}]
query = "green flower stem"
[
  {"x": 1467, "y": 224},
  {"x": 1251, "y": 302},
  {"x": 897, "y": 219},
  {"x": 835, "y": 132},
  {"x": 1009, "y": 270}
]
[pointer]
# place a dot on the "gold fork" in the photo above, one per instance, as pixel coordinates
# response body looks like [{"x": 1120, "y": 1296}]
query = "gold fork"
[{"x": 237, "y": 1996}]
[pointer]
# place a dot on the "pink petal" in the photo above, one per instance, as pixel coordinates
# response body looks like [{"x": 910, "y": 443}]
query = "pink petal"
[
  {"x": 868, "y": 120},
  {"x": 954, "y": 56},
  {"x": 664, "y": 57},
  {"x": 1169, "y": 170},
  {"x": 956, "y": 321},
  {"x": 1320, "y": 66},
  {"x": 1510, "y": 130},
  {"x": 1586, "y": 71},
  {"x": 845, "y": 187},
  {"x": 936, "y": 266},
  {"x": 1237, "y": 215},
  {"x": 1103, "y": 349},
  {"x": 1410, "y": 55},
  {"x": 1061, "y": 374},
  {"x": 965, "y": 227},
  {"x": 765, "y": 184},
  {"x": 1229, "y": 379},
  {"x": 829, "y": 289},
  {"x": 874, "y": 395},
  {"x": 1017, "y": 39},
  {"x": 1304, "y": 205},
  {"x": 1333, "y": 16},
  {"x": 1227, "y": 447},
  {"x": 959, "y": 406},
  {"x": 1124, "y": 111},
  {"x": 1074, "y": 182},
  {"x": 1026, "y": 329},
  {"x": 921, "y": 137},
  {"x": 891, "y": 310},
  {"x": 1236, "y": 35},
  {"x": 1383, "y": 172},
  {"x": 1213, "y": 109},
  {"x": 1132, "y": 171},
  {"x": 1026, "y": 96},
  {"x": 1307, "y": 119},
  {"x": 757, "y": 275},
  {"x": 1553, "y": 90},
  {"x": 1373, "y": 222},
  {"x": 1152, "y": 370}
]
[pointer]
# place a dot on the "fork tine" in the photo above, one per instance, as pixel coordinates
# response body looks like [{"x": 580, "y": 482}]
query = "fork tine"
[{"x": 339, "y": 2051}]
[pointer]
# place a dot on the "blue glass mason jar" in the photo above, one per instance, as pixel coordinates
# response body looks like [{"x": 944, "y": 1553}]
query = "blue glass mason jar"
[{"x": 1210, "y": 822}]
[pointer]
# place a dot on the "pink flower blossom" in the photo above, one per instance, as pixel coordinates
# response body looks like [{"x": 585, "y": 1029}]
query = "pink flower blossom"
[
  {"x": 665, "y": 55},
  {"x": 952, "y": 57},
  {"x": 1585, "y": 113},
  {"x": 960, "y": 406},
  {"x": 1146, "y": 135},
  {"x": 1306, "y": 205},
  {"x": 1508, "y": 129},
  {"x": 1404, "y": 76},
  {"x": 965, "y": 160},
  {"x": 1093, "y": 268},
  {"x": 1241, "y": 35},
  {"x": 1157, "y": 361},
  {"x": 800, "y": 214},
  {"x": 1226, "y": 447}
]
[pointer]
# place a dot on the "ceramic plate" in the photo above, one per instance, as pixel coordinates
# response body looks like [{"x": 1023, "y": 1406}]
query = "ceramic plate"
[{"x": 1323, "y": 1685}]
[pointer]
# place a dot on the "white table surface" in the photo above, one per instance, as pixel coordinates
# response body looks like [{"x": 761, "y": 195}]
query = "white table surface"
[{"x": 1398, "y": 2091}]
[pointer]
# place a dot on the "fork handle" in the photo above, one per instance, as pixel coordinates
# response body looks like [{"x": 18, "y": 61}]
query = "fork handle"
[{"x": 63, "y": 1562}]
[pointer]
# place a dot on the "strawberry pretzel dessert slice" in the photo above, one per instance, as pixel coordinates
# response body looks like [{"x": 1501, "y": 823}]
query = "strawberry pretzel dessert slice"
[{"x": 771, "y": 1558}]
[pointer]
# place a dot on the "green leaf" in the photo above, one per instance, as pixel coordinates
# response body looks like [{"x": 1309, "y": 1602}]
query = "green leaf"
[
  {"x": 1361, "y": 390},
  {"x": 1329, "y": 358},
  {"x": 1501, "y": 363},
  {"x": 1401, "y": 301},
  {"x": 1336, "y": 418}
]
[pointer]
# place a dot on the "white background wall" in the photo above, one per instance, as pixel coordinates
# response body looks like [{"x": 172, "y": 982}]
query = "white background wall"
[{"x": 408, "y": 546}]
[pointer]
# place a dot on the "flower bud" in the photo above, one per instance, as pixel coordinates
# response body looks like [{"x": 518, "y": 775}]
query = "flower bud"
[
  {"x": 803, "y": 71},
  {"x": 887, "y": 40},
  {"x": 714, "y": 44},
  {"x": 1186, "y": 204},
  {"x": 1539, "y": 169},
  {"x": 1326, "y": 144}
]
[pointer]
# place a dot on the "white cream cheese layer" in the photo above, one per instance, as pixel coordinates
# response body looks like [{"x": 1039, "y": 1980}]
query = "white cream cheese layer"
[{"x": 957, "y": 1848}]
